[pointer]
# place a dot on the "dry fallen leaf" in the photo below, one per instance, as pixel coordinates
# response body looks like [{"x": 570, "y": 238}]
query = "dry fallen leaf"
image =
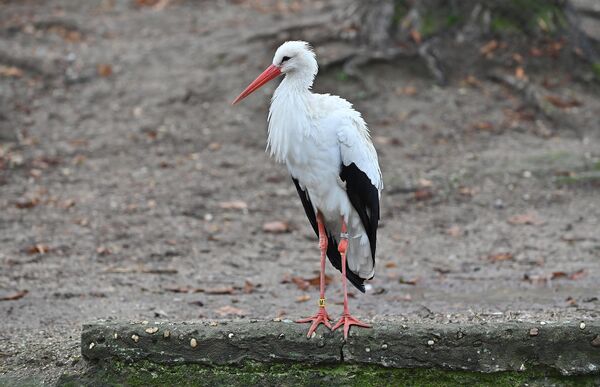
[
  {"x": 10, "y": 71},
  {"x": 316, "y": 281},
  {"x": 219, "y": 291},
  {"x": 214, "y": 146},
  {"x": 577, "y": 275},
  {"x": 535, "y": 278},
  {"x": 488, "y": 48},
  {"x": 483, "y": 125},
  {"x": 412, "y": 281},
  {"x": 454, "y": 231},
  {"x": 528, "y": 218},
  {"x": 102, "y": 250},
  {"x": 146, "y": 3},
  {"x": 442, "y": 270},
  {"x": 228, "y": 310},
  {"x": 467, "y": 191},
  {"x": 535, "y": 52},
  {"x": 37, "y": 249},
  {"x": 471, "y": 80},
  {"x": 517, "y": 57},
  {"x": 572, "y": 276},
  {"x": 248, "y": 287},
  {"x": 27, "y": 203},
  {"x": 500, "y": 257},
  {"x": 424, "y": 183},
  {"x": 301, "y": 283},
  {"x": 276, "y": 227},
  {"x": 423, "y": 194},
  {"x": 303, "y": 298},
  {"x": 67, "y": 204},
  {"x": 390, "y": 265},
  {"x": 234, "y": 205},
  {"x": 384, "y": 140},
  {"x": 571, "y": 301},
  {"x": 416, "y": 36},
  {"x": 179, "y": 289},
  {"x": 562, "y": 103},
  {"x": 104, "y": 70},
  {"x": 15, "y": 296},
  {"x": 409, "y": 90}
]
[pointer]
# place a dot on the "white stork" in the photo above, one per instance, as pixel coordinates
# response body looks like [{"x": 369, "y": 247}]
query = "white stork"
[{"x": 327, "y": 148}]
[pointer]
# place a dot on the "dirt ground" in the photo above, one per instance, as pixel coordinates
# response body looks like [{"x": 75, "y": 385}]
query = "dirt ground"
[{"x": 131, "y": 189}]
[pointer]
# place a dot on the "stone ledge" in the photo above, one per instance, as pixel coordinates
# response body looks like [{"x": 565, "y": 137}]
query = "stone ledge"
[{"x": 571, "y": 348}]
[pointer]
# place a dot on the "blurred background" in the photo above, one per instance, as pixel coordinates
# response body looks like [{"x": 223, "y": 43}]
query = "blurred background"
[{"x": 130, "y": 188}]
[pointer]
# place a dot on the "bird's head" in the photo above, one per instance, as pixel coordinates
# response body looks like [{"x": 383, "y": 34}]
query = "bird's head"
[{"x": 295, "y": 59}]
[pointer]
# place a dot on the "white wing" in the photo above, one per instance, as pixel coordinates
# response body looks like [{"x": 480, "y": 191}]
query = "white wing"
[{"x": 356, "y": 147}]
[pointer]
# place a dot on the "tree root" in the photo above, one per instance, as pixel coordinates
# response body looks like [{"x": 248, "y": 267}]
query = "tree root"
[
  {"x": 287, "y": 31},
  {"x": 535, "y": 99}
]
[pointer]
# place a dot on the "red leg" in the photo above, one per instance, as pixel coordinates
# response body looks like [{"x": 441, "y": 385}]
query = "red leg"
[
  {"x": 347, "y": 320},
  {"x": 321, "y": 317}
]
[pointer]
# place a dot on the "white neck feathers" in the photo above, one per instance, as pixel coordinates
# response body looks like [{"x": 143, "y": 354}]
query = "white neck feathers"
[{"x": 289, "y": 115}]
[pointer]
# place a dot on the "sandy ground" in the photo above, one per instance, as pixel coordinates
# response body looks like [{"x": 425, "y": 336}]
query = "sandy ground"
[{"x": 120, "y": 158}]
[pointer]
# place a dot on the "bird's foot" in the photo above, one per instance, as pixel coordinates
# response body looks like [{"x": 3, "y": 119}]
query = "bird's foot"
[
  {"x": 320, "y": 318},
  {"x": 347, "y": 320}
]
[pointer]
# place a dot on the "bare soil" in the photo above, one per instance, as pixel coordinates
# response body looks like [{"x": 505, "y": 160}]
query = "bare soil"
[{"x": 120, "y": 157}]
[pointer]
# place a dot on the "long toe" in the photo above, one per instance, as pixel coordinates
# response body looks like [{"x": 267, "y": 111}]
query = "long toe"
[
  {"x": 347, "y": 321},
  {"x": 322, "y": 317}
]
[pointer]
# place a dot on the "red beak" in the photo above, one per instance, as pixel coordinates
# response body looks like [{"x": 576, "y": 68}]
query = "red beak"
[{"x": 271, "y": 72}]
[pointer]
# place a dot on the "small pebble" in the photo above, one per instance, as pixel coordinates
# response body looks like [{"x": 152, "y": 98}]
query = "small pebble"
[
  {"x": 543, "y": 323},
  {"x": 193, "y": 343},
  {"x": 534, "y": 332},
  {"x": 230, "y": 335},
  {"x": 383, "y": 346},
  {"x": 582, "y": 325},
  {"x": 367, "y": 349},
  {"x": 116, "y": 336},
  {"x": 92, "y": 345},
  {"x": 213, "y": 323},
  {"x": 430, "y": 342},
  {"x": 135, "y": 338},
  {"x": 152, "y": 330},
  {"x": 166, "y": 334},
  {"x": 527, "y": 174},
  {"x": 596, "y": 341},
  {"x": 144, "y": 322},
  {"x": 281, "y": 336}
]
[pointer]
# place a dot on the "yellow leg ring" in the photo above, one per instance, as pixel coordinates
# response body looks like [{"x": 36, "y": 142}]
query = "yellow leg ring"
[{"x": 321, "y": 302}]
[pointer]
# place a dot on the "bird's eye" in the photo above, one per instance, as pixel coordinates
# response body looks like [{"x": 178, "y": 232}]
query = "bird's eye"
[{"x": 285, "y": 59}]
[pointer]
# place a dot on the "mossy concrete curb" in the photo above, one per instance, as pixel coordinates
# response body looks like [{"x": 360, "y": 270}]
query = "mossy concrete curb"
[{"x": 572, "y": 348}]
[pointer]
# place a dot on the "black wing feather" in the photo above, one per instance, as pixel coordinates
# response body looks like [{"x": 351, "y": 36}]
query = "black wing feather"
[
  {"x": 364, "y": 197},
  {"x": 332, "y": 246}
]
